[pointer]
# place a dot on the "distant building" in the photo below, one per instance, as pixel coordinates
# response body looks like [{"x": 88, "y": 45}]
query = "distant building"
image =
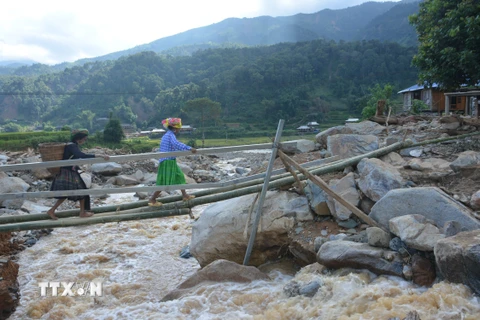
[
  {"x": 187, "y": 129},
  {"x": 304, "y": 129},
  {"x": 309, "y": 128},
  {"x": 128, "y": 129}
]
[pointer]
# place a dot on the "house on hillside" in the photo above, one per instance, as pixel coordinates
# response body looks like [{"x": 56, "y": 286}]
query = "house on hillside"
[{"x": 464, "y": 101}]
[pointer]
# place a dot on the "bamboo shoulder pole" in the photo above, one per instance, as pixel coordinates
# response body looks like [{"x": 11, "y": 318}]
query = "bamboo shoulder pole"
[
  {"x": 319, "y": 182},
  {"x": 261, "y": 198}
]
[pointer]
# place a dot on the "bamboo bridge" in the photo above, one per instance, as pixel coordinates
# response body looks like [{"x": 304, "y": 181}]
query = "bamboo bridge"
[{"x": 173, "y": 205}]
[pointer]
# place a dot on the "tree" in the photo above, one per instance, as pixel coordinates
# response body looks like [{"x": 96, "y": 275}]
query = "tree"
[
  {"x": 201, "y": 109},
  {"x": 86, "y": 117},
  {"x": 377, "y": 93},
  {"x": 113, "y": 131},
  {"x": 449, "y": 36}
]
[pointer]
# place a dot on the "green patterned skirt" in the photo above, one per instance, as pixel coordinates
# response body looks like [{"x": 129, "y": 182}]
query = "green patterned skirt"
[{"x": 169, "y": 173}]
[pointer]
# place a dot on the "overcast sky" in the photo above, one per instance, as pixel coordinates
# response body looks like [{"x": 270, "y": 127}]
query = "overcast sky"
[{"x": 55, "y": 31}]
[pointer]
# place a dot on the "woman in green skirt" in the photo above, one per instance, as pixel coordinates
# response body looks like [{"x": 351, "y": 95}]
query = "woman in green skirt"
[{"x": 169, "y": 173}]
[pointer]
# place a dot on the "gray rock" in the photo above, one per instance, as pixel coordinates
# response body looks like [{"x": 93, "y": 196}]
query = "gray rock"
[
  {"x": 347, "y": 254},
  {"x": 465, "y": 159},
  {"x": 458, "y": 259},
  {"x": 318, "y": 242},
  {"x": 348, "y": 224},
  {"x": 292, "y": 289},
  {"x": 430, "y": 202},
  {"x": 317, "y": 198},
  {"x": 376, "y": 178},
  {"x": 378, "y": 238},
  {"x": 416, "y": 231},
  {"x": 349, "y": 145},
  {"x": 310, "y": 289}
]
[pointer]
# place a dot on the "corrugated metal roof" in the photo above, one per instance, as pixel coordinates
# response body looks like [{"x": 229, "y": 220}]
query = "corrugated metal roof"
[{"x": 416, "y": 88}]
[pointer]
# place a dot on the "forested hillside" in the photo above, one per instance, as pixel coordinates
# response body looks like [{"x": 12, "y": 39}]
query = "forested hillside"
[{"x": 255, "y": 86}]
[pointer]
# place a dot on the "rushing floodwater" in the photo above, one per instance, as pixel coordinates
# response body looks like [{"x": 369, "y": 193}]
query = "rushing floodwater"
[{"x": 138, "y": 263}]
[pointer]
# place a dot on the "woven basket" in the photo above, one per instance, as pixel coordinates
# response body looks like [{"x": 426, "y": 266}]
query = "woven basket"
[{"x": 52, "y": 151}]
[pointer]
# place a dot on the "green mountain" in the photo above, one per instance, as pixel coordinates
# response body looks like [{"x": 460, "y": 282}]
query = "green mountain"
[
  {"x": 343, "y": 24},
  {"x": 255, "y": 85},
  {"x": 393, "y": 25}
]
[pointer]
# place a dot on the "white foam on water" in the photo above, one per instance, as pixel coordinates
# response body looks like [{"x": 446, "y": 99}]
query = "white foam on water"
[{"x": 138, "y": 263}]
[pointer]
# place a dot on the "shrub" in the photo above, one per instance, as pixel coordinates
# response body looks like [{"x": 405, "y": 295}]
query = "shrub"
[{"x": 418, "y": 106}]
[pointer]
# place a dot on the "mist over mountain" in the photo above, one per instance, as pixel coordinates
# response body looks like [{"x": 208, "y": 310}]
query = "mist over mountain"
[{"x": 384, "y": 21}]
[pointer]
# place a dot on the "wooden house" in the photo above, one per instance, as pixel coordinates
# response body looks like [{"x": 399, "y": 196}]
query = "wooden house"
[
  {"x": 463, "y": 101},
  {"x": 304, "y": 129}
]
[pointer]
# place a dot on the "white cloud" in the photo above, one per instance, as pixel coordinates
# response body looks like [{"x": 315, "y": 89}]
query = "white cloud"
[{"x": 53, "y": 31}]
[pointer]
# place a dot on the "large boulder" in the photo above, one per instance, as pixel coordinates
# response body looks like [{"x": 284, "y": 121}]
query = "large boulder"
[
  {"x": 347, "y": 254},
  {"x": 322, "y": 137},
  {"x": 347, "y": 189},
  {"x": 376, "y": 178},
  {"x": 298, "y": 146},
  {"x": 217, "y": 271},
  {"x": 458, "y": 259},
  {"x": 12, "y": 185},
  {"x": 367, "y": 127},
  {"x": 349, "y": 145},
  {"x": 220, "y": 232},
  {"x": 465, "y": 159},
  {"x": 430, "y": 202}
]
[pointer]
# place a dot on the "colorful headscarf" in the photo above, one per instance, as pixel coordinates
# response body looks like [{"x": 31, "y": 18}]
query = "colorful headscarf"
[
  {"x": 172, "y": 122},
  {"x": 79, "y": 134}
]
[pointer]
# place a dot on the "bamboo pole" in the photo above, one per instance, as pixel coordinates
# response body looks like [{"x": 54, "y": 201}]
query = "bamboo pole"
[
  {"x": 440, "y": 140},
  {"x": 319, "y": 182},
  {"x": 250, "y": 211},
  {"x": 223, "y": 194},
  {"x": 131, "y": 157},
  {"x": 91, "y": 192},
  {"x": 261, "y": 198},
  {"x": 72, "y": 222},
  {"x": 294, "y": 175}
]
